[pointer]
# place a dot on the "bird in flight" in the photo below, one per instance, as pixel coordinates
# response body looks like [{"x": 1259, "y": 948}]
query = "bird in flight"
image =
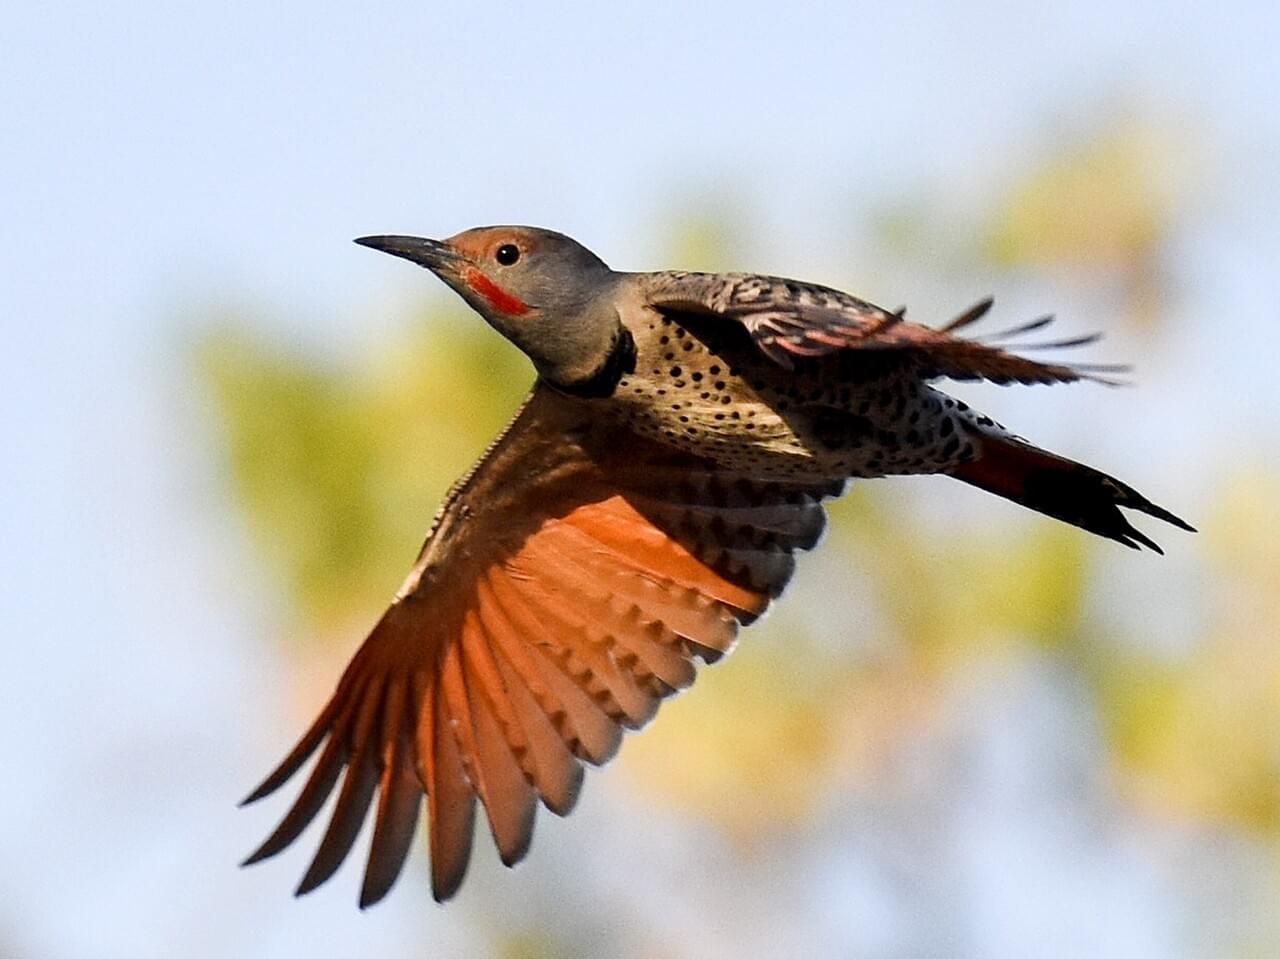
[{"x": 646, "y": 500}]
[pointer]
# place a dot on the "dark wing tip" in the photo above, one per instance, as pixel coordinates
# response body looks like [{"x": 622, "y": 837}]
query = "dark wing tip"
[
  {"x": 277, "y": 778},
  {"x": 1132, "y": 533},
  {"x": 444, "y": 886},
  {"x": 968, "y": 317},
  {"x": 371, "y": 897},
  {"x": 399, "y": 803},
  {"x": 256, "y": 856},
  {"x": 253, "y": 797},
  {"x": 565, "y": 805},
  {"x": 1132, "y": 500},
  {"x": 1159, "y": 512},
  {"x": 300, "y": 753}
]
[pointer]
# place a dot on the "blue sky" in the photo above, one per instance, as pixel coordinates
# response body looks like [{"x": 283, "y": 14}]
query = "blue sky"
[{"x": 162, "y": 161}]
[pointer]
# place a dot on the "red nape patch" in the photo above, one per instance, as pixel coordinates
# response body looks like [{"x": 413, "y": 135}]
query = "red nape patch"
[{"x": 498, "y": 298}]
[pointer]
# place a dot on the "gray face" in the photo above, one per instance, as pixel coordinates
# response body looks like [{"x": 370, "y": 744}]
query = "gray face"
[{"x": 545, "y": 292}]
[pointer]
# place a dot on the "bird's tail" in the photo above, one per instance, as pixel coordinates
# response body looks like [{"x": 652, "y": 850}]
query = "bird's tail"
[{"x": 1061, "y": 488}]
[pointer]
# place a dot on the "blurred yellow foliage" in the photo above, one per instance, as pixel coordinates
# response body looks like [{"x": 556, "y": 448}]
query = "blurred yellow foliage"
[
  {"x": 750, "y": 748},
  {"x": 1104, "y": 203},
  {"x": 1200, "y": 737},
  {"x": 707, "y": 239},
  {"x": 339, "y": 469},
  {"x": 950, "y": 599}
]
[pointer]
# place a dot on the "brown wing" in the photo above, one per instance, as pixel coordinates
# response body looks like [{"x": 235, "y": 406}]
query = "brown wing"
[
  {"x": 568, "y": 585},
  {"x": 788, "y": 319}
]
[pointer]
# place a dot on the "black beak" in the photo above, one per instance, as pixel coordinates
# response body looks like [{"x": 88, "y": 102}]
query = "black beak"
[{"x": 432, "y": 254}]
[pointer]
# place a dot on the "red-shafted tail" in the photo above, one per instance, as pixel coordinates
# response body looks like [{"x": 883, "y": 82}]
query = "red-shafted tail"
[{"x": 1061, "y": 488}]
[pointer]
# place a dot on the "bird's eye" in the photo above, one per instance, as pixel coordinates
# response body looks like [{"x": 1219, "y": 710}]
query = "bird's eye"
[{"x": 507, "y": 254}]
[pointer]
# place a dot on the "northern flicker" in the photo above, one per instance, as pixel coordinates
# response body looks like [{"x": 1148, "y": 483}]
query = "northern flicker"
[{"x": 645, "y": 501}]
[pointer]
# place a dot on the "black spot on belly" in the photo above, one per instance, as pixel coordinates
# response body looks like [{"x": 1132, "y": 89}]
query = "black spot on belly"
[{"x": 837, "y": 430}]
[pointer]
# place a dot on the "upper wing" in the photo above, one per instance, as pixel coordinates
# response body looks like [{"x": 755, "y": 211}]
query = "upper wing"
[
  {"x": 568, "y": 584},
  {"x": 789, "y": 319}
]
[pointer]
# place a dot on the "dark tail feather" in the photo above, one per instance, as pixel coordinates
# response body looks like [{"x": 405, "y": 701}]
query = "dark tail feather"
[{"x": 1057, "y": 487}]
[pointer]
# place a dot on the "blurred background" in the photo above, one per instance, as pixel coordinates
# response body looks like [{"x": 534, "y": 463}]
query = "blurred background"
[{"x": 967, "y": 732}]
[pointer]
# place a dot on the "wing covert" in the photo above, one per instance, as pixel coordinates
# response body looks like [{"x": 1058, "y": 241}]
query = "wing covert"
[{"x": 790, "y": 320}]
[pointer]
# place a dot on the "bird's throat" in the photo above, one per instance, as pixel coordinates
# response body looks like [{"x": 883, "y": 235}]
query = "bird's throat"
[{"x": 603, "y": 381}]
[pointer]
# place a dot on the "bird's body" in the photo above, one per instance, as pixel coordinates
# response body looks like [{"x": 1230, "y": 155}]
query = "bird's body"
[{"x": 646, "y": 500}]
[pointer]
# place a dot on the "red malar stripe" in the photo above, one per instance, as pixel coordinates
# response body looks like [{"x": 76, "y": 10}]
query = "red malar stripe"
[{"x": 498, "y": 298}]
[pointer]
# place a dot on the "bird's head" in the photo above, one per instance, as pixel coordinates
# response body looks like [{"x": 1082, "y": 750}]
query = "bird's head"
[{"x": 545, "y": 292}]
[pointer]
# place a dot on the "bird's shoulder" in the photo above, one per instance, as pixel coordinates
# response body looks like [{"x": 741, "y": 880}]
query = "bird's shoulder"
[{"x": 541, "y": 452}]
